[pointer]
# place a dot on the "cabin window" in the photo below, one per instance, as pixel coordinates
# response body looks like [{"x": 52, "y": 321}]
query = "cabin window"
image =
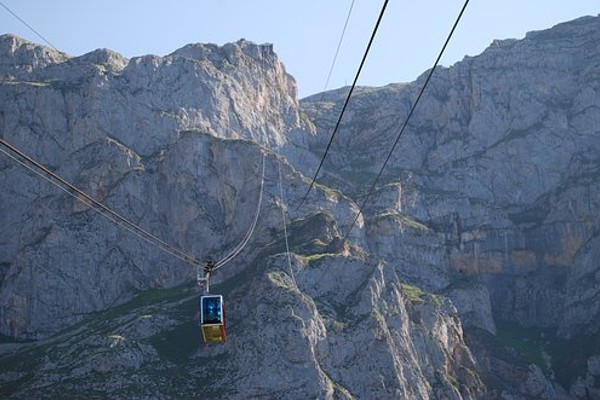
[{"x": 211, "y": 310}]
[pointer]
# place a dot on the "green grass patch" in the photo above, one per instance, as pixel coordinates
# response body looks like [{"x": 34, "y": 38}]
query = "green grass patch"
[
  {"x": 404, "y": 220},
  {"x": 357, "y": 250},
  {"x": 316, "y": 257},
  {"x": 318, "y": 242},
  {"x": 569, "y": 357},
  {"x": 22, "y": 363},
  {"x": 39, "y": 83},
  {"x": 566, "y": 358},
  {"x": 9, "y": 339},
  {"x": 413, "y": 293},
  {"x": 339, "y": 389},
  {"x": 179, "y": 344},
  {"x": 64, "y": 86},
  {"x": 280, "y": 280},
  {"x": 437, "y": 300},
  {"x": 530, "y": 342},
  {"x": 147, "y": 298},
  {"x": 9, "y": 388}
]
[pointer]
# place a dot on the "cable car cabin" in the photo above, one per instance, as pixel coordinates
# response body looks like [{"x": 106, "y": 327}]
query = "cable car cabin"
[{"x": 212, "y": 318}]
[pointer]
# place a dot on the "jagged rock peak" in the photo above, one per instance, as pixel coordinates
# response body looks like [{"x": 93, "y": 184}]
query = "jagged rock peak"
[
  {"x": 18, "y": 53},
  {"x": 238, "y": 90},
  {"x": 104, "y": 57},
  {"x": 231, "y": 52},
  {"x": 563, "y": 37},
  {"x": 578, "y": 27}
]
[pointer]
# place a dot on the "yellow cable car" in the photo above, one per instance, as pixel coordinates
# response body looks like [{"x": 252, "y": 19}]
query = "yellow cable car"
[{"x": 212, "y": 318}]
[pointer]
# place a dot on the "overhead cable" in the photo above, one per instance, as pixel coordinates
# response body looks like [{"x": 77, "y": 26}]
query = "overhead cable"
[
  {"x": 339, "y": 45},
  {"x": 412, "y": 110},
  {"x": 362, "y": 63},
  {"x": 244, "y": 241},
  {"x": 41, "y": 171},
  {"x": 29, "y": 26},
  {"x": 285, "y": 233}
]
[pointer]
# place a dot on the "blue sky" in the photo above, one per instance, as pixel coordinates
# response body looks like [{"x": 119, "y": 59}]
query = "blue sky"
[{"x": 304, "y": 33}]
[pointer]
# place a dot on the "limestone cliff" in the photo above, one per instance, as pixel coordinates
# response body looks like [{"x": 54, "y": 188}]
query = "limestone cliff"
[
  {"x": 132, "y": 133},
  {"x": 500, "y": 162},
  {"x": 499, "y": 167},
  {"x": 175, "y": 144}
]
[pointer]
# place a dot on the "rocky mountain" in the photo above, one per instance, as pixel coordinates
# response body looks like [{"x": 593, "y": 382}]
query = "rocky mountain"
[
  {"x": 501, "y": 158},
  {"x": 472, "y": 273}
]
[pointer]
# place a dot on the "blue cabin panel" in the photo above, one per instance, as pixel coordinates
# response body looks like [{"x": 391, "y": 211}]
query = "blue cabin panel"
[{"x": 212, "y": 318}]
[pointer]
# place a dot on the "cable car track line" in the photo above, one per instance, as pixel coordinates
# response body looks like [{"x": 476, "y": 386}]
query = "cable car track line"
[
  {"x": 412, "y": 110},
  {"x": 28, "y": 26},
  {"x": 89, "y": 204},
  {"x": 283, "y": 218},
  {"x": 339, "y": 45},
  {"x": 246, "y": 239},
  {"x": 41, "y": 171},
  {"x": 337, "y": 125}
]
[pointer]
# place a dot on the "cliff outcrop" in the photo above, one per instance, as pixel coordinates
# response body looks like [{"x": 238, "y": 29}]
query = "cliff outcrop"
[{"x": 500, "y": 162}]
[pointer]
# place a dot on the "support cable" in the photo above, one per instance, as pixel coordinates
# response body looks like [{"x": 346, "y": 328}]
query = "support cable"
[
  {"x": 244, "y": 241},
  {"x": 283, "y": 218},
  {"x": 412, "y": 110},
  {"x": 43, "y": 172},
  {"x": 339, "y": 45},
  {"x": 362, "y": 63},
  {"x": 29, "y": 26}
]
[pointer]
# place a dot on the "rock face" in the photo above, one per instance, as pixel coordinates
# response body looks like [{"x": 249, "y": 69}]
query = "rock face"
[
  {"x": 487, "y": 217},
  {"x": 143, "y": 134},
  {"x": 500, "y": 161}
]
